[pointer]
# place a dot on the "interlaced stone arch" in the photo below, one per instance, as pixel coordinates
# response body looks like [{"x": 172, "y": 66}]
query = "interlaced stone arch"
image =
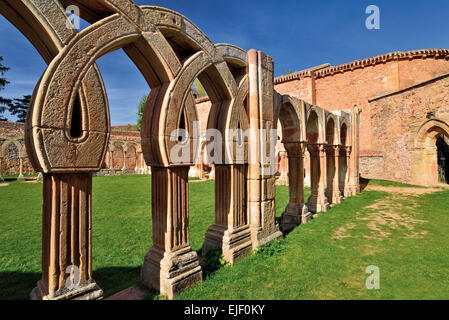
[{"x": 68, "y": 131}]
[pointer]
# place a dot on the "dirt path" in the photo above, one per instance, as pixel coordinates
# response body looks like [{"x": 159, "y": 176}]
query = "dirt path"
[
  {"x": 395, "y": 212},
  {"x": 417, "y": 191}
]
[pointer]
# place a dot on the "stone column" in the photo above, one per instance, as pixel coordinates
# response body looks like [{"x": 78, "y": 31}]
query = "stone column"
[
  {"x": 333, "y": 183},
  {"x": 67, "y": 239},
  {"x": 296, "y": 211},
  {"x": 283, "y": 166},
  {"x": 212, "y": 172},
  {"x": 354, "y": 177},
  {"x": 231, "y": 230},
  {"x": 136, "y": 169},
  {"x": 317, "y": 201},
  {"x": 1, "y": 169},
  {"x": 110, "y": 160},
  {"x": 347, "y": 188},
  {"x": 124, "y": 160},
  {"x": 21, "y": 177},
  {"x": 262, "y": 164},
  {"x": 170, "y": 266}
]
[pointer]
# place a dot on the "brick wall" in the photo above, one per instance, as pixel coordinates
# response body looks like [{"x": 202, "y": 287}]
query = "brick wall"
[{"x": 396, "y": 120}]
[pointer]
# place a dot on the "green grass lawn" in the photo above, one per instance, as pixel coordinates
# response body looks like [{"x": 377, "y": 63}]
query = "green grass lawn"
[{"x": 405, "y": 235}]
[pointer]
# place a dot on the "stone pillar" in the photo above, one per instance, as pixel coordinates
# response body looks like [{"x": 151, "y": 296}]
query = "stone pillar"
[
  {"x": 212, "y": 172},
  {"x": 283, "y": 165},
  {"x": 317, "y": 201},
  {"x": 347, "y": 189},
  {"x": 354, "y": 177},
  {"x": 141, "y": 167},
  {"x": 124, "y": 160},
  {"x": 67, "y": 239},
  {"x": 263, "y": 139},
  {"x": 296, "y": 211},
  {"x": 136, "y": 169},
  {"x": 333, "y": 193},
  {"x": 171, "y": 265},
  {"x": 231, "y": 230},
  {"x": 21, "y": 177},
  {"x": 110, "y": 160},
  {"x": 1, "y": 169}
]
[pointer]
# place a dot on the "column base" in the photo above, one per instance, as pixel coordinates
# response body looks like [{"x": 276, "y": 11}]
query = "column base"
[
  {"x": 318, "y": 204},
  {"x": 350, "y": 191},
  {"x": 171, "y": 273},
  {"x": 21, "y": 178},
  {"x": 90, "y": 291},
  {"x": 335, "y": 198},
  {"x": 259, "y": 238},
  {"x": 293, "y": 216},
  {"x": 235, "y": 243}
]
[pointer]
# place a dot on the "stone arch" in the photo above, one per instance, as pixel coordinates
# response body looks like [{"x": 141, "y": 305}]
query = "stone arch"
[
  {"x": 118, "y": 155},
  {"x": 10, "y": 152},
  {"x": 345, "y": 133},
  {"x": 316, "y": 137},
  {"x": 424, "y": 151},
  {"x": 130, "y": 157},
  {"x": 333, "y": 159},
  {"x": 332, "y": 130},
  {"x": 291, "y": 115},
  {"x": 230, "y": 118},
  {"x": 344, "y": 156},
  {"x": 315, "y": 125}
]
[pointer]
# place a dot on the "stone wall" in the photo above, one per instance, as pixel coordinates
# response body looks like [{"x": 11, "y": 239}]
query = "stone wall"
[
  {"x": 357, "y": 82},
  {"x": 397, "y": 119},
  {"x": 12, "y": 148},
  {"x": 354, "y": 83}
]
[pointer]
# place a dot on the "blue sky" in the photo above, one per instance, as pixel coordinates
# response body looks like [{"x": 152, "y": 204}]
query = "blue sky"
[{"x": 297, "y": 34}]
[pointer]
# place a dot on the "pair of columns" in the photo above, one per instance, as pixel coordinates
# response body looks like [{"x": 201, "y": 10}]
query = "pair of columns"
[
  {"x": 327, "y": 165},
  {"x": 171, "y": 265}
]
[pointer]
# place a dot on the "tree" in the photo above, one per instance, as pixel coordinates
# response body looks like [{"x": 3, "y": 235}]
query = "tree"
[
  {"x": 289, "y": 71},
  {"x": 18, "y": 107},
  {"x": 3, "y": 82},
  {"x": 140, "y": 109},
  {"x": 199, "y": 89}
]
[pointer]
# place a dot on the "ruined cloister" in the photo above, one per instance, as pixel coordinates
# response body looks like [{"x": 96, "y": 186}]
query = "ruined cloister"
[{"x": 67, "y": 139}]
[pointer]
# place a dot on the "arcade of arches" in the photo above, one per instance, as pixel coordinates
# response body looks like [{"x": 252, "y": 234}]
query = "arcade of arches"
[{"x": 68, "y": 138}]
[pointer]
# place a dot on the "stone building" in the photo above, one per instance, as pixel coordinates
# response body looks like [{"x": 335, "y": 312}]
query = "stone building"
[
  {"x": 404, "y": 102},
  {"x": 124, "y": 154}
]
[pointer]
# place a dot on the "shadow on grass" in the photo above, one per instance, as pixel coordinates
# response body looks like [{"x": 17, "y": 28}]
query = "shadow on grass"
[
  {"x": 18, "y": 285},
  {"x": 364, "y": 183}
]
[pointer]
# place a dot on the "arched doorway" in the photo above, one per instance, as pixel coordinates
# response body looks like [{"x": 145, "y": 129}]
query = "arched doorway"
[
  {"x": 430, "y": 153},
  {"x": 443, "y": 159}
]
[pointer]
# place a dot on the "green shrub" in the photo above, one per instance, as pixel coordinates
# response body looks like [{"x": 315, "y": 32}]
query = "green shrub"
[
  {"x": 270, "y": 249},
  {"x": 214, "y": 260}
]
